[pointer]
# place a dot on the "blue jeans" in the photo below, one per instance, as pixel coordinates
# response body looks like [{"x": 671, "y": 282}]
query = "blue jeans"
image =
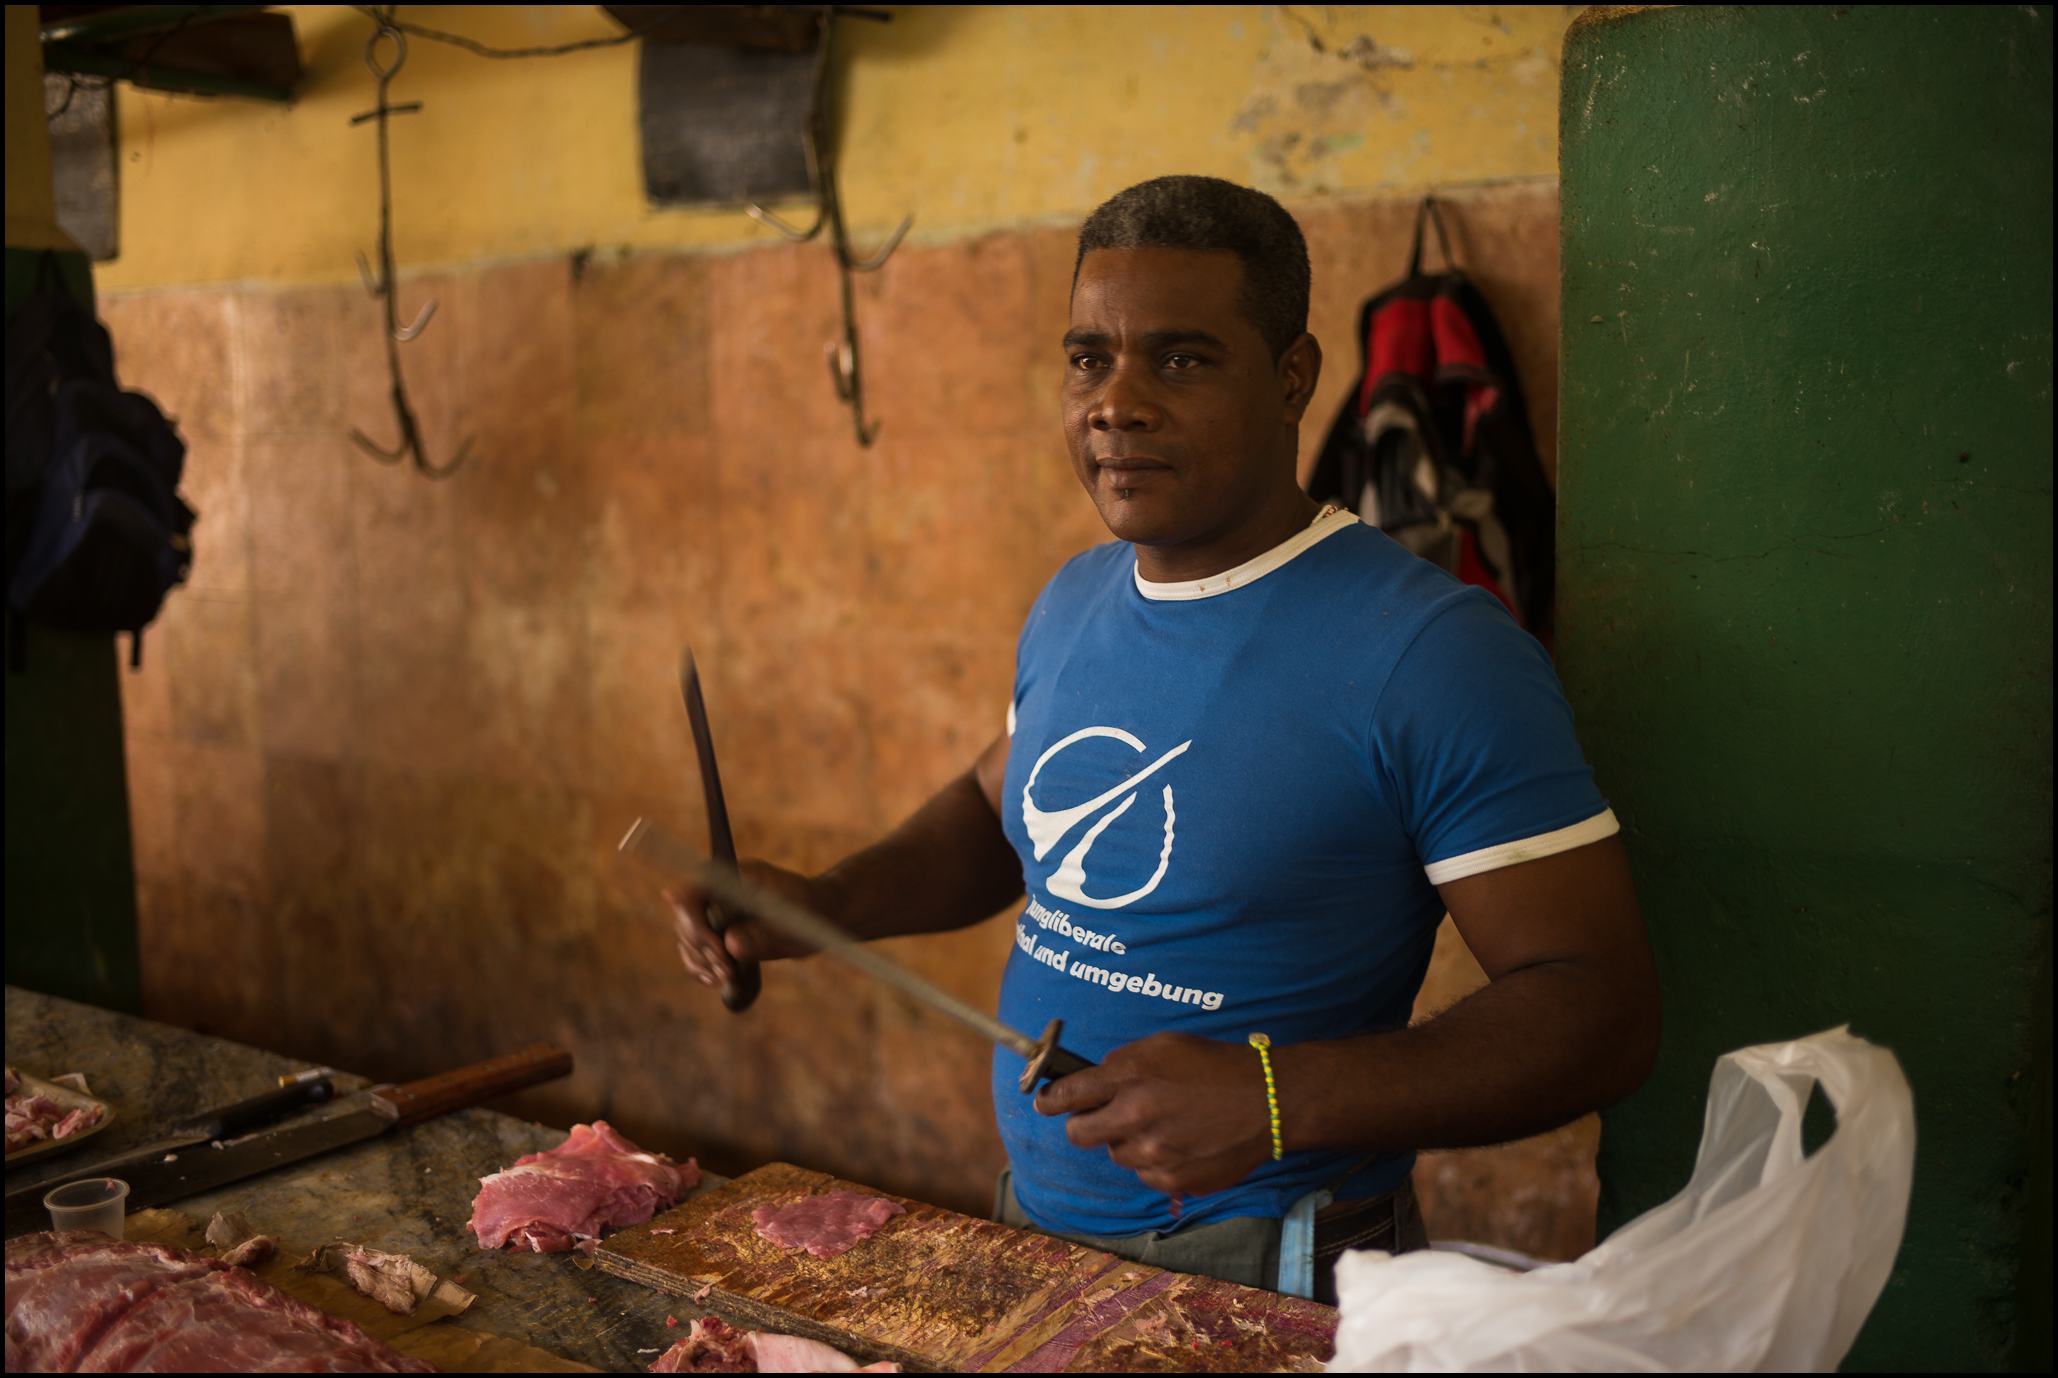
[{"x": 1296, "y": 1255}]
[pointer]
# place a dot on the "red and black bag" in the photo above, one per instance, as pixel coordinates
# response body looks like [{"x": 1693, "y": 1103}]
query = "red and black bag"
[{"x": 1434, "y": 446}]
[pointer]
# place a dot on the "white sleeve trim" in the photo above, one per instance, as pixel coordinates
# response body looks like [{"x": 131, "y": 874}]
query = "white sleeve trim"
[{"x": 1601, "y": 825}]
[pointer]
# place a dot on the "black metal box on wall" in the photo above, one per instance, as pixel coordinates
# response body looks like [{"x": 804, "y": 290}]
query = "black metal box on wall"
[{"x": 721, "y": 125}]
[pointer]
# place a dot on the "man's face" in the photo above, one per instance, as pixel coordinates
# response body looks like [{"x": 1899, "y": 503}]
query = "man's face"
[{"x": 1175, "y": 412}]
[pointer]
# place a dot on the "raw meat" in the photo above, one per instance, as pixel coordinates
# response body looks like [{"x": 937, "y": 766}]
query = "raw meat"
[
  {"x": 793, "y": 1354},
  {"x": 713, "y": 1346},
  {"x": 825, "y": 1225},
  {"x": 251, "y": 1251},
  {"x": 31, "y": 1115},
  {"x": 81, "y": 1302},
  {"x": 594, "y": 1179},
  {"x": 394, "y": 1281},
  {"x": 710, "y": 1347}
]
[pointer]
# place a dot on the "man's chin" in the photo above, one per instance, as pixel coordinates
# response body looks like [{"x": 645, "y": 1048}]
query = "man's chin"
[{"x": 1138, "y": 521}]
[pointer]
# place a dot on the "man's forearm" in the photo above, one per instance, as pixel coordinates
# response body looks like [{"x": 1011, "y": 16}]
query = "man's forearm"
[
  {"x": 1531, "y": 1051},
  {"x": 948, "y": 866}
]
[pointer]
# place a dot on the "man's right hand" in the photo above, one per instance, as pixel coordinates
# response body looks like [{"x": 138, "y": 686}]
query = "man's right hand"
[{"x": 713, "y": 957}]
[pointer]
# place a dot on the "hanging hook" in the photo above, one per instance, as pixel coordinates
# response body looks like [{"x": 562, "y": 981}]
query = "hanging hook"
[
  {"x": 878, "y": 260},
  {"x": 845, "y": 369},
  {"x": 384, "y": 284},
  {"x": 811, "y": 138}
]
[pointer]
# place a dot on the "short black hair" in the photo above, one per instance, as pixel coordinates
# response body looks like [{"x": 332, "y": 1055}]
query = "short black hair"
[{"x": 1207, "y": 213}]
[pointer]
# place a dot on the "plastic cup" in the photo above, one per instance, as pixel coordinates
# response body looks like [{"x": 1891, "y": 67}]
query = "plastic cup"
[{"x": 94, "y": 1204}]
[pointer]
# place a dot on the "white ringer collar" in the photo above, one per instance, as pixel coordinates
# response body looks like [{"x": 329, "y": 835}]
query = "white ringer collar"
[{"x": 1250, "y": 571}]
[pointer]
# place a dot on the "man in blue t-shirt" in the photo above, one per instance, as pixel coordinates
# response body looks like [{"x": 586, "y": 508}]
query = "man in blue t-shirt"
[{"x": 1255, "y": 752}]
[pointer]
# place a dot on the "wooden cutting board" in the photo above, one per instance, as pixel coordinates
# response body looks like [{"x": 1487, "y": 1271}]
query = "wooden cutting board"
[
  {"x": 450, "y": 1347},
  {"x": 938, "y": 1291}
]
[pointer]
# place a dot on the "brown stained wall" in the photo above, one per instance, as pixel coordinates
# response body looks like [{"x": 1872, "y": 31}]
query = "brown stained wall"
[{"x": 385, "y": 740}]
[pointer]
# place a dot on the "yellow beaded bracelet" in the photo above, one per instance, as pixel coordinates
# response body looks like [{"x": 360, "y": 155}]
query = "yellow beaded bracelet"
[{"x": 1263, "y": 1044}]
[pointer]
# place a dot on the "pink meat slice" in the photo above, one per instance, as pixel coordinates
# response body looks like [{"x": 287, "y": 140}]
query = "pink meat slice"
[
  {"x": 825, "y": 1225},
  {"x": 713, "y": 1346},
  {"x": 794, "y": 1354},
  {"x": 81, "y": 1302},
  {"x": 593, "y": 1180}
]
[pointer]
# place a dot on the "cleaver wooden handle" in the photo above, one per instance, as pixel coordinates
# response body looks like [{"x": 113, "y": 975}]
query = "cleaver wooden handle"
[{"x": 482, "y": 1081}]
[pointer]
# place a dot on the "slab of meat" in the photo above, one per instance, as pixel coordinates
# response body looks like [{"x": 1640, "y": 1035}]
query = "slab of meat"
[
  {"x": 594, "y": 1179},
  {"x": 825, "y": 1225},
  {"x": 713, "y": 1346},
  {"x": 81, "y": 1302}
]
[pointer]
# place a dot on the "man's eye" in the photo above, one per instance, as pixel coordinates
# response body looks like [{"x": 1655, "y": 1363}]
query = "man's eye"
[
  {"x": 1191, "y": 359},
  {"x": 1082, "y": 360}
]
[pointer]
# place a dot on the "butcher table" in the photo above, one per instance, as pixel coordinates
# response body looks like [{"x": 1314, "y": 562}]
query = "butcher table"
[{"x": 409, "y": 1191}]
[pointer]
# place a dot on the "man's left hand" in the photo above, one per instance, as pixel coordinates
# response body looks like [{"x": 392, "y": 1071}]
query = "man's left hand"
[{"x": 1186, "y": 1114}]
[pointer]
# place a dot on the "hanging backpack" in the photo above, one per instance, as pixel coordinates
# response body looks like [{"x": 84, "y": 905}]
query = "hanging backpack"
[
  {"x": 1434, "y": 447},
  {"x": 96, "y": 532}
]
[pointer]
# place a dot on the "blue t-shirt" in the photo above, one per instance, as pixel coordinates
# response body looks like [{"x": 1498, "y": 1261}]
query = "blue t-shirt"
[{"x": 1233, "y": 801}]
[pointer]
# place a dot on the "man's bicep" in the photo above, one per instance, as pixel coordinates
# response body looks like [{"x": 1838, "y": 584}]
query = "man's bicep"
[
  {"x": 990, "y": 769},
  {"x": 1577, "y": 905}
]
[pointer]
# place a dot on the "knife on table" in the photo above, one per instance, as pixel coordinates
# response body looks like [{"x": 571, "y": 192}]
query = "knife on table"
[
  {"x": 197, "y": 1131},
  {"x": 737, "y": 994},
  {"x": 1047, "y": 1061},
  {"x": 157, "y": 1174}
]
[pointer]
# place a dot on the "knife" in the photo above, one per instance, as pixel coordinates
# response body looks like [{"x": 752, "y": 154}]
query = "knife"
[
  {"x": 740, "y": 992},
  {"x": 153, "y": 1181},
  {"x": 223, "y": 1122},
  {"x": 1047, "y": 1061}
]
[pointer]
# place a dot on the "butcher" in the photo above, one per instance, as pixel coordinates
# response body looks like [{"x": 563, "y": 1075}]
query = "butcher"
[{"x": 1255, "y": 752}]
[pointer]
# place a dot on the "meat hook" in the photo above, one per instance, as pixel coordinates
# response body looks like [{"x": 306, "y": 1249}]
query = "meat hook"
[{"x": 384, "y": 285}]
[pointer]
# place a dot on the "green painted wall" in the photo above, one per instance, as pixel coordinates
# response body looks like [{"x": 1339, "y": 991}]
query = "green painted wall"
[
  {"x": 71, "y": 882},
  {"x": 1805, "y": 494}
]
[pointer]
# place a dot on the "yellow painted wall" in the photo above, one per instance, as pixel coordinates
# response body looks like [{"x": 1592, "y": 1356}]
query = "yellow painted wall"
[{"x": 969, "y": 117}]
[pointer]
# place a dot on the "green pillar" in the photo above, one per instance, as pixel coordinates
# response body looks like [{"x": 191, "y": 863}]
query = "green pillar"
[
  {"x": 1805, "y": 585},
  {"x": 71, "y": 882}
]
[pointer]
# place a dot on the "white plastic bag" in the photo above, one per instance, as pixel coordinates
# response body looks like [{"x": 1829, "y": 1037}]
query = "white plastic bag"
[{"x": 1767, "y": 1261}]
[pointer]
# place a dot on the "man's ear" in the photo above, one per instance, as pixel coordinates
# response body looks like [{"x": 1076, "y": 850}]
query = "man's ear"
[{"x": 1300, "y": 369}]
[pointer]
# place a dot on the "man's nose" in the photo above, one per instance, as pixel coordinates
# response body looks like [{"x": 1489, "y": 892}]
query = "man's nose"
[{"x": 1125, "y": 404}]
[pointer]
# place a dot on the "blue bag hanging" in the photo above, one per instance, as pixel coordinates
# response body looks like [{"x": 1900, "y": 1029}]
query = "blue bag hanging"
[{"x": 97, "y": 535}]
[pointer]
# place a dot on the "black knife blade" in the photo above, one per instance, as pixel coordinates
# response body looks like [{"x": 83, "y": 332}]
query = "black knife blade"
[
  {"x": 172, "y": 1176},
  {"x": 195, "y": 1131},
  {"x": 739, "y": 993}
]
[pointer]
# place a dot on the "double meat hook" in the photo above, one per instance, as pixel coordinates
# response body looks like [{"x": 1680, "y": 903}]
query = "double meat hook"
[
  {"x": 384, "y": 285},
  {"x": 844, "y": 367}
]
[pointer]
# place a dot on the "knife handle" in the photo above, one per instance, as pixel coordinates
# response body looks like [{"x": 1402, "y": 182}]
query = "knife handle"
[
  {"x": 432, "y": 1096},
  {"x": 738, "y": 994},
  {"x": 229, "y": 1121}
]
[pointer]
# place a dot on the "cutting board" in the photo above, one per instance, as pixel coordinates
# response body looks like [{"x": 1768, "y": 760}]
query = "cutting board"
[
  {"x": 938, "y": 1291},
  {"x": 451, "y": 1348}
]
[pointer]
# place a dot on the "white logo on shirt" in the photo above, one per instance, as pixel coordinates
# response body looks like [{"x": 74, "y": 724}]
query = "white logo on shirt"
[{"x": 1047, "y": 829}]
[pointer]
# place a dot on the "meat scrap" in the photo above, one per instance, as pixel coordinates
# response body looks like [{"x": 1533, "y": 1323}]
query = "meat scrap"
[
  {"x": 825, "y": 1225},
  {"x": 31, "y": 1115},
  {"x": 711, "y": 1346},
  {"x": 236, "y": 1243},
  {"x": 714, "y": 1346},
  {"x": 81, "y": 1301},
  {"x": 394, "y": 1281},
  {"x": 593, "y": 1180}
]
